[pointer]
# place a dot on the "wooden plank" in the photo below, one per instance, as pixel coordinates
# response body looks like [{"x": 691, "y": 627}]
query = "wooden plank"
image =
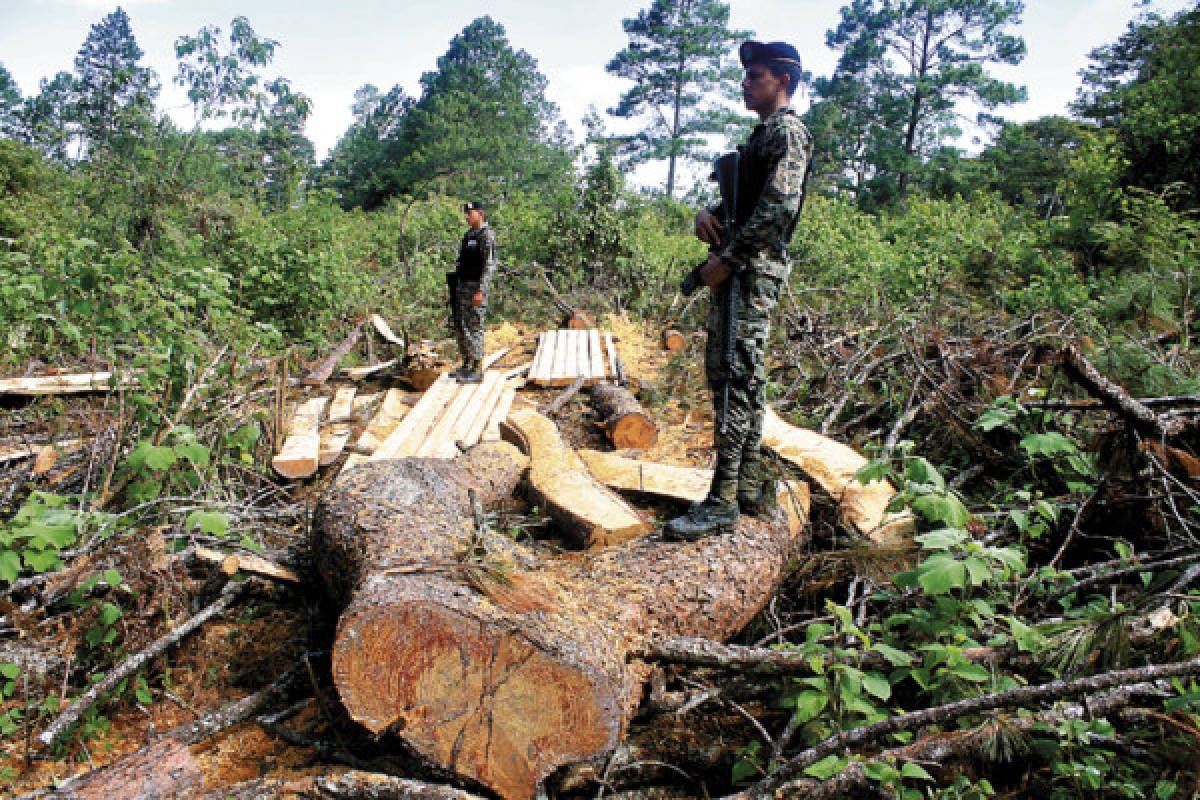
[
  {"x": 385, "y": 330},
  {"x": 439, "y": 444},
  {"x": 539, "y": 357},
  {"x": 595, "y": 356},
  {"x": 491, "y": 431},
  {"x": 20, "y": 451},
  {"x": 391, "y": 411},
  {"x": 612, "y": 354},
  {"x": 333, "y": 441},
  {"x": 65, "y": 384},
  {"x": 410, "y": 434},
  {"x": 688, "y": 484},
  {"x": 584, "y": 367},
  {"x": 358, "y": 373},
  {"x": 488, "y": 396},
  {"x": 587, "y": 511},
  {"x": 833, "y": 466},
  {"x": 493, "y": 358},
  {"x": 571, "y": 370},
  {"x": 560, "y": 358},
  {"x": 342, "y": 407},
  {"x": 300, "y": 455}
]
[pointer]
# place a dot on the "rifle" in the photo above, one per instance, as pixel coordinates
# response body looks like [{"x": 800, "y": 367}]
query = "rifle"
[
  {"x": 727, "y": 181},
  {"x": 452, "y": 285}
]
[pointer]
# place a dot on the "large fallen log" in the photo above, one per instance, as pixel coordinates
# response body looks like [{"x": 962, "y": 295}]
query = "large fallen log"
[
  {"x": 625, "y": 421},
  {"x": 503, "y": 674},
  {"x": 589, "y": 513},
  {"x": 833, "y": 466}
]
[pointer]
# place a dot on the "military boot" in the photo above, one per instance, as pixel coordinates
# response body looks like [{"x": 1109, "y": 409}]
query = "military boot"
[
  {"x": 702, "y": 519},
  {"x": 463, "y": 369},
  {"x": 473, "y": 374},
  {"x": 758, "y": 499}
]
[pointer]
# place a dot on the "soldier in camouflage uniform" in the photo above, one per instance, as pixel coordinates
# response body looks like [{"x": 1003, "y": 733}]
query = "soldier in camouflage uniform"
[
  {"x": 473, "y": 273},
  {"x": 770, "y": 189}
]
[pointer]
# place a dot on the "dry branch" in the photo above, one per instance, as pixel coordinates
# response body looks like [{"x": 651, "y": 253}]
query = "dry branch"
[
  {"x": 322, "y": 371},
  {"x": 1079, "y": 369}
]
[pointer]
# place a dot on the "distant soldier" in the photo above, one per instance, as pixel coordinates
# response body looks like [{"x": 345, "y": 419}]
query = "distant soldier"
[
  {"x": 769, "y": 195},
  {"x": 470, "y": 287}
]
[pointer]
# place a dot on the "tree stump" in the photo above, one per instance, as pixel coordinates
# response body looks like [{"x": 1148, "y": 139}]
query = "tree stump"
[
  {"x": 673, "y": 339},
  {"x": 578, "y": 320},
  {"x": 625, "y": 421},
  {"x": 503, "y": 681}
]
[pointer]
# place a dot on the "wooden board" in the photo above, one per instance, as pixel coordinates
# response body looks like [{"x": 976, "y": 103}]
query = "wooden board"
[
  {"x": 440, "y": 441},
  {"x": 493, "y": 386},
  {"x": 559, "y": 343},
  {"x": 358, "y": 373},
  {"x": 300, "y": 455},
  {"x": 689, "y": 484},
  {"x": 493, "y": 358},
  {"x": 596, "y": 355},
  {"x": 832, "y": 466},
  {"x": 407, "y": 438},
  {"x": 385, "y": 330},
  {"x": 612, "y": 355},
  {"x": 342, "y": 407},
  {"x": 491, "y": 431},
  {"x": 17, "y": 452},
  {"x": 65, "y": 384},
  {"x": 571, "y": 344},
  {"x": 562, "y": 356},
  {"x": 587, "y": 511},
  {"x": 539, "y": 355},
  {"x": 391, "y": 411},
  {"x": 333, "y": 442}
]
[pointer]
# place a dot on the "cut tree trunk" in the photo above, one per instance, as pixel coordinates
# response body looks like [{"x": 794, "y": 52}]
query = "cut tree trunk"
[
  {"x": 322, "y": 371},
  {"x": 833, "y": 466},
  {"x": 504, "y": 685},
  {"x": 588, "y": 513},
  {"x": 300, "y": 455},
  {"x": 673, "y": 340},
  {"x": 625, "y": 421}
]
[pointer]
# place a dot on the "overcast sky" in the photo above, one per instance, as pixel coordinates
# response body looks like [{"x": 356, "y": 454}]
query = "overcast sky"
[{"x": 329, "y": 49}]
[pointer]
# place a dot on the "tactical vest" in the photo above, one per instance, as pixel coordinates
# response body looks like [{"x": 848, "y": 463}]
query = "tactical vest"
[
  {"x": 754, "y": 170},
  {"x": 471, "y": 258}
]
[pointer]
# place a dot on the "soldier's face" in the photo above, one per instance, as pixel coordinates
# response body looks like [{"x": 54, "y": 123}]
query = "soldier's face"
[
  {"x": 761, "y": 87},
  {"x": 474, "y": 217}
]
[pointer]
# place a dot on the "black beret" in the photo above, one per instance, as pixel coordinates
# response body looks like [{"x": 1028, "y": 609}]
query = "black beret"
[
  {"x": 474, "y": 205},
  {"x": 770, "y": 53}
]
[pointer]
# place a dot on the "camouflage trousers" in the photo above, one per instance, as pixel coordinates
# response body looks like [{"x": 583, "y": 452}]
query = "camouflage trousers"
[
  {"x": 739, "y": 448},
  {"x": 467, "y": 321}
]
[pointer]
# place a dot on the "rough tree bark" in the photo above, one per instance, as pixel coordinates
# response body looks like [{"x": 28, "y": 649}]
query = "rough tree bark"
[
  {"x": 625, "y": 421},
  {"x": 504, "y": 685}
]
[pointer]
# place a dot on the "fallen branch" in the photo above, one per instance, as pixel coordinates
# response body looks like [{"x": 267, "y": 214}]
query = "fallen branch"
[
  {"x": 229, "y": 595},
  {"x": 1025, "y": 695},
  {"x": 323, "y": 370},
  {"x": 1080, "y": 370},
  {"x": 564, "y": 398}
]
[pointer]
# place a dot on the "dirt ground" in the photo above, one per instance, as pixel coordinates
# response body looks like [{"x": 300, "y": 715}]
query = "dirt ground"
[{"x": 252, "y": 645}]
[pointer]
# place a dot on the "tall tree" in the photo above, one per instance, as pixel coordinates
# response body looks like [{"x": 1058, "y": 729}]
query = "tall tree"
[
  {"x": 47, "y": 118},
  {"x": 920, "y": 57},
  {"x": 679, "y": 58},
  {"x": 356, "y": 166},
  {"x": 10, "y": 104},
  {"x": 112, "y": 92},
  {"x": 1146, "y": 88},
  {"x": 482, "y": 123}
]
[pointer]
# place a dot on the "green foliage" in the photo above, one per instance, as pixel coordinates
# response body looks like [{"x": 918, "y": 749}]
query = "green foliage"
[{"x": 44, "y": 526}]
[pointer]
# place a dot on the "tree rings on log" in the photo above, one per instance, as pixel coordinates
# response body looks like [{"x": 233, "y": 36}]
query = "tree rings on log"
[
  {"x": 673, "y": 340},
  {"x": 625, "y": 421}
]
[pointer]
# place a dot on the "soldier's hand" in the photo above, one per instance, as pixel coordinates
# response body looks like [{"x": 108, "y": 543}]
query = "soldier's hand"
[
  {"x": 477, "y": 299},
  {"x": 714, "y": 272},
  {"x": 708, "y": 227}
]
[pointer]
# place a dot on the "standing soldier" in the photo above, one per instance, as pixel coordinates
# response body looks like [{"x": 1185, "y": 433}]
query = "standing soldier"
[
  {"x": 470, "y": 286},
  {"x": 769, "y": 195}
]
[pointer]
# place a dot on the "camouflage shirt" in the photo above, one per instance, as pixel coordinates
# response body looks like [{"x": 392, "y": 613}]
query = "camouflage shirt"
[
  {"x": 477, "y": 257},
  {"x": 778, "y": 152}
]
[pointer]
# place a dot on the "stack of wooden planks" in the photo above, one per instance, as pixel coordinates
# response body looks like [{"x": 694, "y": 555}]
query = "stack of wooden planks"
[{"x": 565, "y": 355}]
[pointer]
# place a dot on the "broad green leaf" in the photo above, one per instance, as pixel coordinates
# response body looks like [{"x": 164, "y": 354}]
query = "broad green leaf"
[
  {"x": 41, "y": 560},
  {"x": 994, "y": 418},
  {"x": 198, "y": 454},
  {"x": 213, "y": 523},
  {"x": 159, "y": 458},
  {"x": 10, "y": 565},
  {"x": 912, "y": 769},
  {"x": 10, "y": 671},
  {"x": 827, "y": 767},
  {"x": 112, "y": 577},
  {"x": 1048, "y": 444},
  {"x": 109, "y": 614},
  {"x": 808, "y": 705},
  {"x": 969, "y": 672},
  {"x": 942, "y": 539},
  {"x": 877, "y": 685},
  {"x": 875, "y": 470},
  {"x": 918, "y": 470},
  {"x": 898, "y": 658},
  {"x": 941, "y": 573},
  {"x": 942, "y": 508}
]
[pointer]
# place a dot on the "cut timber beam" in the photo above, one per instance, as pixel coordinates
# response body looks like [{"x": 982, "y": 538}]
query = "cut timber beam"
[
  {"x": 391, "y": 411},
  {"x": 383, "y": 329},
  {"x": 300, "y": 455},
  {"x": 503, "y": 682},
  {"x": 491, "y": 431},
  {"x": 358, "y": 373},
  {"x": 322, "y": 371},
  {"x": 588, "y": 512},
  {"x": 407, "y": 438},
  {"x": 342, "y": 407},
  {"x": 689, "y": 484},
  {"x": 333, "y": 442},
  {"x": 832, "y": 466},
  {"x": 66, "y": 384}
]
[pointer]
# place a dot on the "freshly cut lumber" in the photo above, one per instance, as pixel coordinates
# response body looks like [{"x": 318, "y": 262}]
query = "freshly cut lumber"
[
  {"x": 363, "y": 401},
  {"x": 322, "y": 371},
  {"x": 20, "y": 451},
  {"x": 673, "y": 340},
  {"x": 625, "y": 421},
  {"x": 300, "y": 455},
  {"x": 689, "y": 484},
  {"x": 489, "y": 394},
  {"x": 333, "y": 442},
  {"x": 230, "y": 563},
  {"x": 596, "y": 355},
  {"x": 539, "y": 355},
  {"x": 833, "y": 465},
  {"x": 66, "y": 384},
  {"x": 589, "y": 513},
  {"x": 383, "y": 329},
  {"x": 571, "y": 343},
  {"x": 502, "y": 682},
  {"x": 342, "y": 407},
  {"x": 408, "y": 436},
  {"x": 440, "y": 441},
  {"x": 559, "y": 371},
  {"x": 491, "y": 431},
  {"x": 493, "y": 358},
  {"x": 358, "y": 373},
  {"x": 391, "y": 411}
]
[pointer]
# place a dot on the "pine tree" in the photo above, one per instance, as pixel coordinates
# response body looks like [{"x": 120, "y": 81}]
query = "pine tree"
[
  {"x": 111, "y": 91},
  {"x": 10, "y": 104},
  {"x": 679, "y": 58}
]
